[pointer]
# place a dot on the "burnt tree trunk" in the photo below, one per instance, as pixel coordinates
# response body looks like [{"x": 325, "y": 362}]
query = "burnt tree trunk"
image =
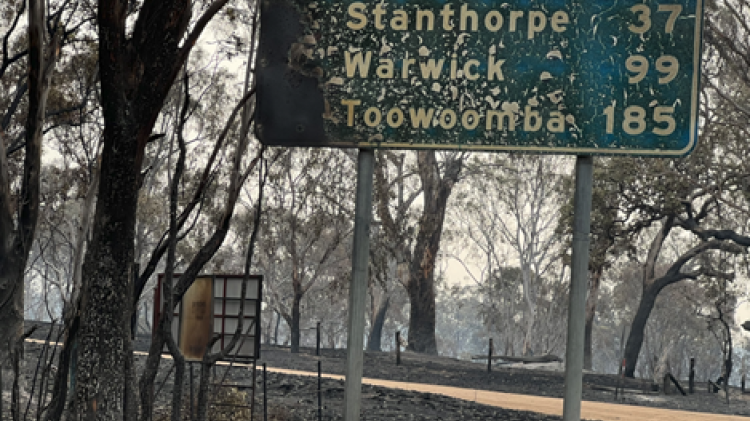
[
  {"x": 591, "y": 301},
  {"x": 422, "y": 314},
  {"x": 105, "y": 333},
  {"x": 651, "y": 289},
  {"x": 421, "y": 284},
  {"x": 11, "y": 307},
  {"x": 376, "y": 332},
  {"x": 294, "y": 322},
  {"x": 727, "y": 345},
  {"x": 18, "y": 215},
  {"x": 106, "y": 300},
  {"x": 637, "y": 329},
  {"x": 136, "y": 74}
]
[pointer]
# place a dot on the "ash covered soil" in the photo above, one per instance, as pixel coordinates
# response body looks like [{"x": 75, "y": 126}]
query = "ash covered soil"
[
  {"x": 295, "y": 397},
  {"x": 546, "y": 381}
]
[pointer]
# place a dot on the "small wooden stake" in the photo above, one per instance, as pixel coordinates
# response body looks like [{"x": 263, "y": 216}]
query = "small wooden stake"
[
  {"x": 398, "y": 348},
  {"x": 742, "y": 384},
  {"x": 489, "y": 358},
  {"x": 620, "y": 375},
  {"x": 317, "y": 339}
]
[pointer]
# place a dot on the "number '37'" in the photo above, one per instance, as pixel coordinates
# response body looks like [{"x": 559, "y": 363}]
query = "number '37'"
[{"x": 643, "y": 14}]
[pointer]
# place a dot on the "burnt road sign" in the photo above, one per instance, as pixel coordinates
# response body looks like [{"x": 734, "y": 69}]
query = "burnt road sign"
[{"x": 579, "y": 77}]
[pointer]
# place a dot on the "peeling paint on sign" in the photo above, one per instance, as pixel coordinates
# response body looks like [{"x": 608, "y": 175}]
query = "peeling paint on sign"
[{"x": 595, "y": 77}]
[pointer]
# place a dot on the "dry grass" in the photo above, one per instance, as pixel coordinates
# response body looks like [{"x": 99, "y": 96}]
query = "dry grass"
[
  {"x": 279, "y": 413},
  {"x": 225, "y": 404},
  {"x": 231, "y": 404}
]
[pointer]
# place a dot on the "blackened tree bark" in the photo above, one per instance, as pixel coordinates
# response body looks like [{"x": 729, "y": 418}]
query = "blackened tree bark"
[
  {"x": 421, "y": 285},
  {"x": 595, "y": 278},
  {"x": 19, "y": 214},
  {"x": 419, "y": 253},
  {"x": 648, "y": 297},
  {"x": 15, "y": 243},
  {"x": 725, "y": 336},
  {"x": 374, "y": 339},
  {"x": 421, "y": 291},
  {"x": 638, "y": 327},
  {"x": 136, "y": 73},
  {"x": 653, "y": 285},
  {"x": 608, "y": 236},
  {"x": 294, "y": 321}
]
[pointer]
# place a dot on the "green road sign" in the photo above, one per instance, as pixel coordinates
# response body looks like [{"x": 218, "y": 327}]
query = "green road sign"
[{"x": 583, "y": 77}]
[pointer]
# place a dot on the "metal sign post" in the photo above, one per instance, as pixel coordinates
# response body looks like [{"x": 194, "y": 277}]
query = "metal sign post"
[
  {"x": 358, "y": 286},
  {"x": 578, "y": 287}
]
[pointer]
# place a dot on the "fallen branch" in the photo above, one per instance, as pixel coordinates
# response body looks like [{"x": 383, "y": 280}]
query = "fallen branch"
[
  {"x": 629, "y": 391},
  {"x": 676, "y": 383},
  {"x": 526, "y": 360},
  {"x": 713, "y": 387}
]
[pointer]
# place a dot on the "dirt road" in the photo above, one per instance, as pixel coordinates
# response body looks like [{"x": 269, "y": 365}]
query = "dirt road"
[
  {"x": 420, "y": 370},
  {"x": 550, "y": 406}
]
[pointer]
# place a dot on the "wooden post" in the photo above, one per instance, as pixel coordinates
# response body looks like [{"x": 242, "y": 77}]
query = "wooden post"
[
  {"x": 489, "y": 358},
  {"x": 317, "y": 339},
  {"x": 665, "y": 384},
  {"x": 398, "y": 348},
  {"x": 742, "y": 384},
  {"x": 691, "y": 378},
  {"x": 620, "y": 376}
]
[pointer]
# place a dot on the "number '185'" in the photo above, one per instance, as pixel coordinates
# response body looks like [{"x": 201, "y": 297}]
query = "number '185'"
[{"x": 634, "y": 120}]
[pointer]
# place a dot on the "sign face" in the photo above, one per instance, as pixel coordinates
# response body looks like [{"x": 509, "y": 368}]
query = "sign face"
[
  {"x": 210, "y": 309},
  {"x": 560, "y": 76},
  {"x": 195, "y": 319}
]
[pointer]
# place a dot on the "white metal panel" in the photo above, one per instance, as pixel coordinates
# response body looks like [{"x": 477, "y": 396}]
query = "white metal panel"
[
  {"x": 230, "y": 325},
  {"x": 234, "y": 288},
  {"x": 246, "y": 348},
  {"x": 232, "y": 307}
]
